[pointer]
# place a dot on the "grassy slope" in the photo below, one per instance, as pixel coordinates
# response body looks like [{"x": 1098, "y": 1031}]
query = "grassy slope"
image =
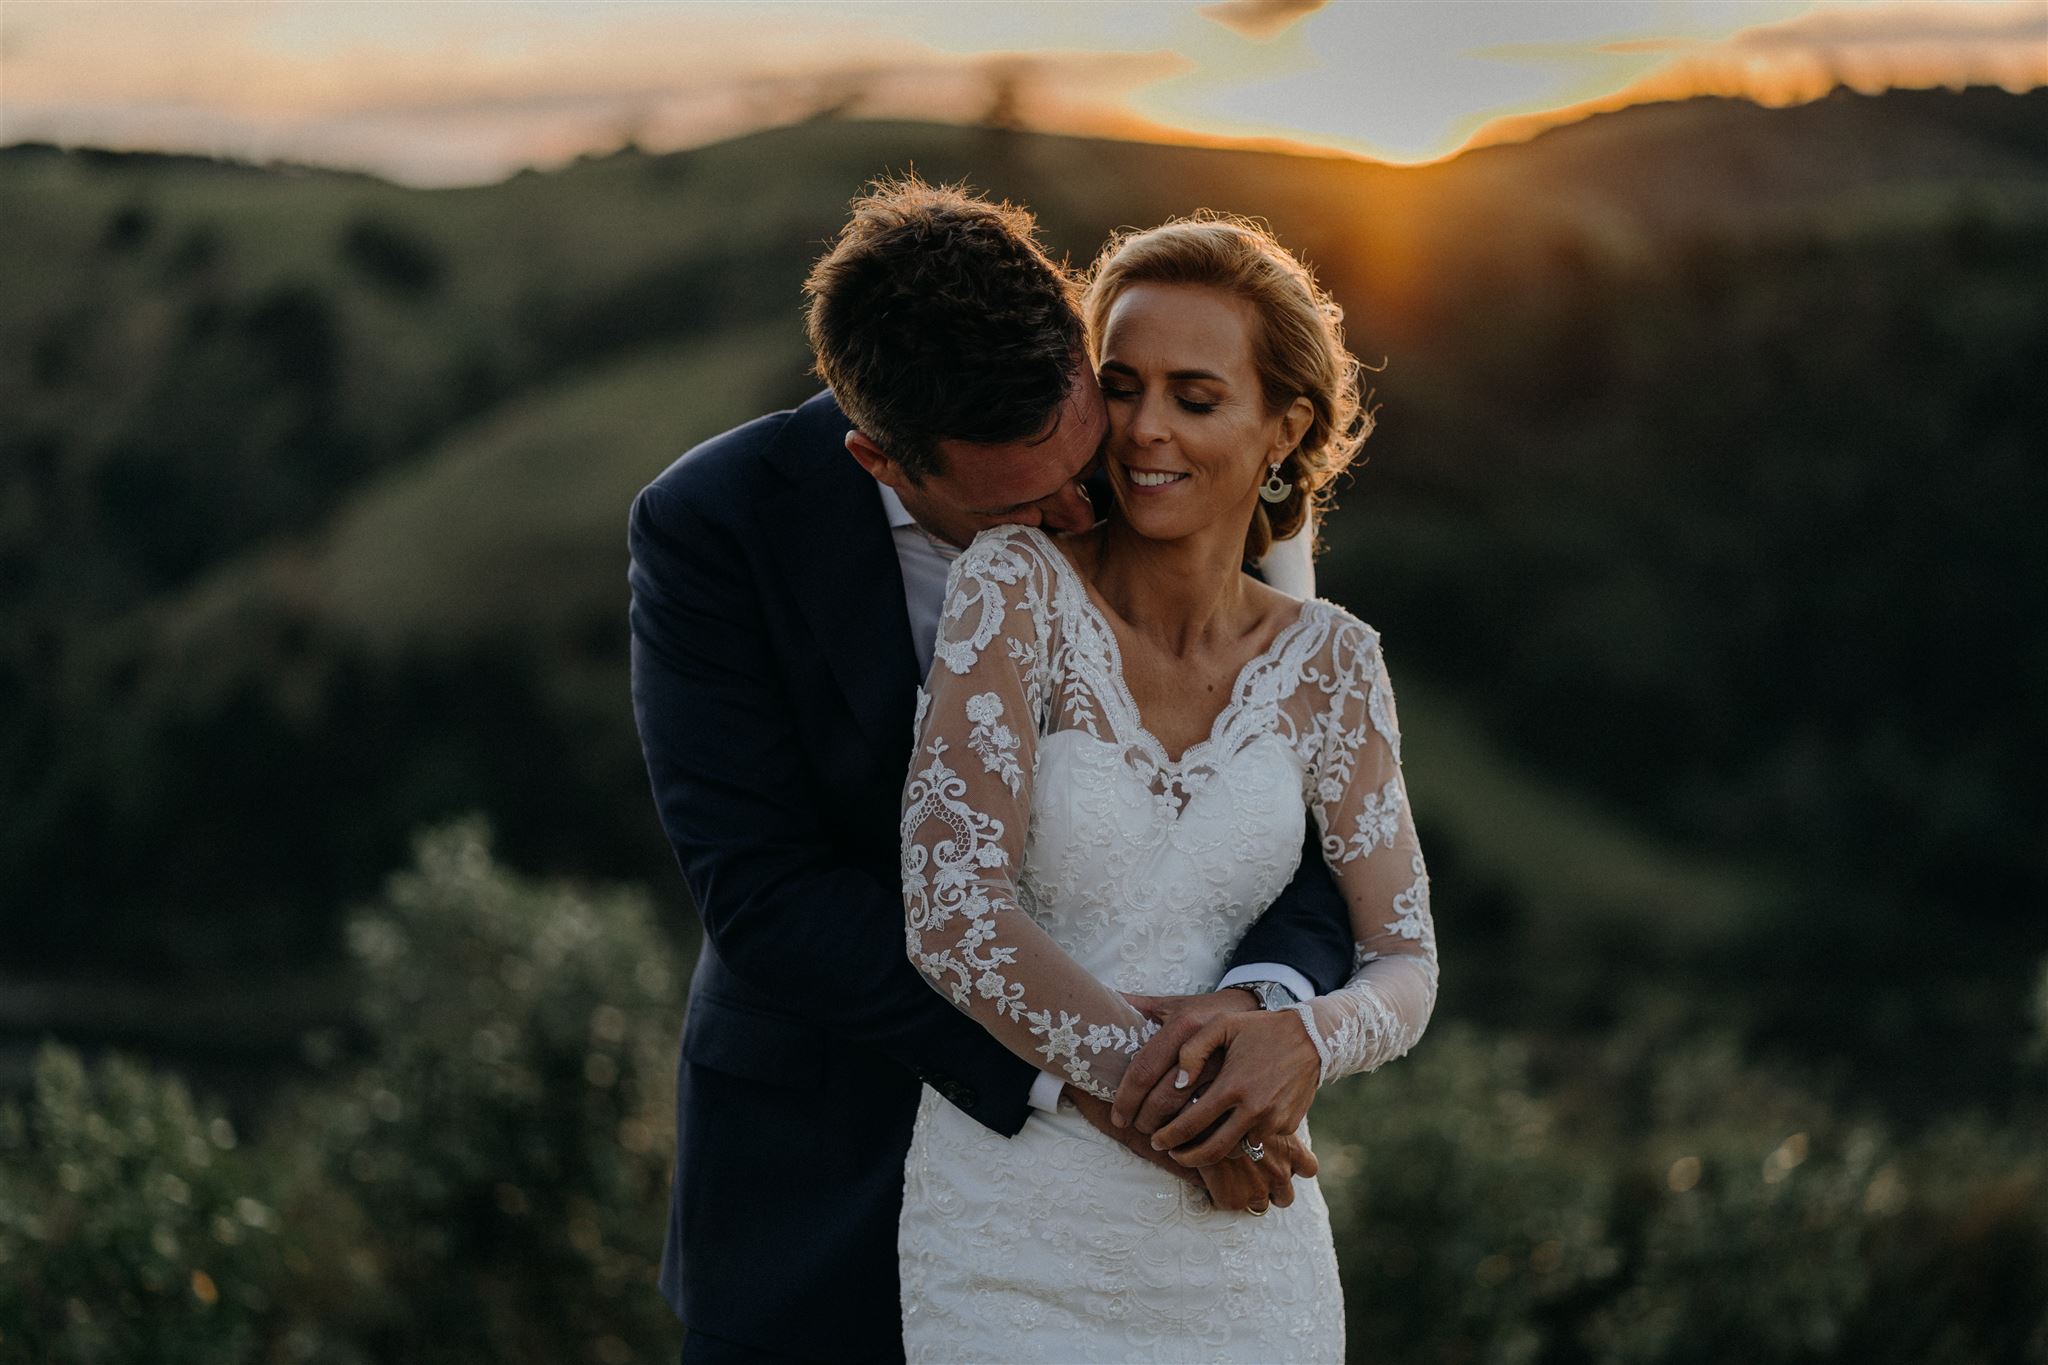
[
  {"x": 514, "y": 518},
  {"x": 519, "y": 521},
  {"x": 516, "y": 524}
]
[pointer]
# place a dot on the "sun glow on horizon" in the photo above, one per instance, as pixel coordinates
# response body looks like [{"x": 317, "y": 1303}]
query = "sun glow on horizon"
[{"x": 454, "y": 94}]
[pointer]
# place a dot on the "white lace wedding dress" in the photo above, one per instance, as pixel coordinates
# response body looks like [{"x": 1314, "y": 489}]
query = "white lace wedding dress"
[{"x": 1054, "y": 856}]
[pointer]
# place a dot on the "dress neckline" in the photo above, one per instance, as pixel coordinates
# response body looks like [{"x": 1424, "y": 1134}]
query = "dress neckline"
[{"x": 1240, "y": 690}]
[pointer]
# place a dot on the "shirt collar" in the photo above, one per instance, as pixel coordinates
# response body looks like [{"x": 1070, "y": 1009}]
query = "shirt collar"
[
  {"x": 899, "y": 517},
  {"x": 898, "y": 514}
]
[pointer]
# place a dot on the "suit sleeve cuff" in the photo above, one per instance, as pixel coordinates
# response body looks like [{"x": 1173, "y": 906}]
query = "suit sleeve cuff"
[
  {"x": 1045, "y": 1093},
  {"x": 1269, "y": 971}
]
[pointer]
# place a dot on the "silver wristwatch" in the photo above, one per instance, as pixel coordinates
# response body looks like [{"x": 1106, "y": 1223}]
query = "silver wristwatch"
[{"x": 1271, "y": 995}]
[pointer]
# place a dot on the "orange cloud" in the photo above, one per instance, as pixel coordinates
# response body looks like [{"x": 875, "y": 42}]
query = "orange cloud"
[
  {"x": 1260, "y": 19},
  {"x": 1866, "y": 49}
]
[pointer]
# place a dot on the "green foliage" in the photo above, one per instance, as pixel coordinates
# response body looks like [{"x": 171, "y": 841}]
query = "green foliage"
[
  {"x": 393, "y": 257},
  {"x": 479, "y": 1169},
  {"x": 506, "y": 1129},
  {"x": 133, "y": 1227},
  {"x": 479, "y": 1175},
  {"x": 1466, "y": 1224},
  {"x": 1670, "y": 1203}
]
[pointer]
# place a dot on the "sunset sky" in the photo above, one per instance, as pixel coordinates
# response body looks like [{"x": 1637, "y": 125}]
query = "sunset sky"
[{"x": 452, "y": 93}]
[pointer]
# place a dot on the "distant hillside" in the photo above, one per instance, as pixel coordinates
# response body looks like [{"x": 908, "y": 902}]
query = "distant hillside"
[{"x": 1706, "y": 479}]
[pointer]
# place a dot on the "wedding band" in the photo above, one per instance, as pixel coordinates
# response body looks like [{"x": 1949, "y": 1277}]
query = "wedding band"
[
  {"x": 1259, "y": 1212},
  {"x": 1255, "y": 1150}
]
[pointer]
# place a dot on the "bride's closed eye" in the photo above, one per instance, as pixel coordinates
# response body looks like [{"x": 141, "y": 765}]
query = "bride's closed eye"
[{"x": 1113, "y": 393}]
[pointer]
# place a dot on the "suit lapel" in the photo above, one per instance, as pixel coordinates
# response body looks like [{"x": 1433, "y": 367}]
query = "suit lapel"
[{"x": 843, "y": 571}]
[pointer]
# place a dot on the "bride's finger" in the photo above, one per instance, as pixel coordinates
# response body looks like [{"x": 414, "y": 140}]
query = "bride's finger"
[
  {"x": 1166, "y": 1101},
  {"x": 1150, "y": 1070},
  {"x": 1209, "y": 1039}
]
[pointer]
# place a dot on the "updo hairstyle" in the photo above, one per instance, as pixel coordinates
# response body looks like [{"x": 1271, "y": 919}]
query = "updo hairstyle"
[{"x": 1298, "y": 348}]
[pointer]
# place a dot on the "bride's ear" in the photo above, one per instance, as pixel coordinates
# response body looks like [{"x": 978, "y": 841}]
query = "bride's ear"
[
  {"x": 1294, "y": 423},
  {"x": 871, "y": 458}
]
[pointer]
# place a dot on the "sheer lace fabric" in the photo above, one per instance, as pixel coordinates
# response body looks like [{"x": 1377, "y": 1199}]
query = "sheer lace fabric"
[
  {"x": 1026, "y": 662},
  {"x": 1055, "y": 855}
]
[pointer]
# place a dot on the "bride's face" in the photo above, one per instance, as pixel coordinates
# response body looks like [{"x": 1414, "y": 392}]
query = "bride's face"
[{"x": 1190, "y": 435}]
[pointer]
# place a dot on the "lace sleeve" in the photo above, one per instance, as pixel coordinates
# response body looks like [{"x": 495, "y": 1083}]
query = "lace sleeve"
[
  {"x": 966, "y": 812},
  {"x": 1361, "y": 805}
]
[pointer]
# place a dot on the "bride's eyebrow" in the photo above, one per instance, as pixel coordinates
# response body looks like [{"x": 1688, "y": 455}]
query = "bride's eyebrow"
[{"x": 1121, "y": 368}]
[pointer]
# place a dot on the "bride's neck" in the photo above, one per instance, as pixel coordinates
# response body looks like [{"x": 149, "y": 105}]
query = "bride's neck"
[{"x": 1178, "y": 592}]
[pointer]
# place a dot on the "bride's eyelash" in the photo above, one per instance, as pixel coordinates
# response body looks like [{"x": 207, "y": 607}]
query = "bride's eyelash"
[{"x": 1199, "y": 409}]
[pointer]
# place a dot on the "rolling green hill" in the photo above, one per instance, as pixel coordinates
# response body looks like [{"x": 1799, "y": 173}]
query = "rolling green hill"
[{"x": 1706, "y": 480}]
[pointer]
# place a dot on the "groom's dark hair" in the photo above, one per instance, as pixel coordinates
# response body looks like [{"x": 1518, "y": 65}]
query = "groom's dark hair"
[{"x": 936, "y": 315}]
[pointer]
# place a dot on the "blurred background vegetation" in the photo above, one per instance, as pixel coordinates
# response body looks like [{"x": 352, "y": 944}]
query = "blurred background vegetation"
[{"x": 341, "y": 956}]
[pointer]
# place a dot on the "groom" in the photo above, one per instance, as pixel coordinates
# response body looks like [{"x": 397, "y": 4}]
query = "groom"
[{"x": 786, "y": 584}]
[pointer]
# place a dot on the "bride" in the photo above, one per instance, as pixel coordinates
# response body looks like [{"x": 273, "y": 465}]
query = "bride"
[{"x": 1120, "y": 739}]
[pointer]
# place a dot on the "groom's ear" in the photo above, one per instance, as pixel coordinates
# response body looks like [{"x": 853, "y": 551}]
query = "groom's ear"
[{"x": 878, "y": 465}]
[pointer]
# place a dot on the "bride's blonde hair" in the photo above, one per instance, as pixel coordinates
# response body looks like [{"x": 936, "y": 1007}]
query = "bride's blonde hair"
[{"x": 1299, "y": 350}]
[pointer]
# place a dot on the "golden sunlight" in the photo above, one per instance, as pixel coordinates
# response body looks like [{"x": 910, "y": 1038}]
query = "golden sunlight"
[{"x": 447, "y": 94}]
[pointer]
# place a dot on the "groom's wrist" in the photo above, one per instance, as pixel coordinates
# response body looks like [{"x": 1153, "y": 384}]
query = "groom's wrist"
[{"x": 1253, "y": 974}]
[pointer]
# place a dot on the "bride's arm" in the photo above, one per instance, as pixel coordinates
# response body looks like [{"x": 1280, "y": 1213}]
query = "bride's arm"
[
  {"x": 966, "y": 812},
  {"x": 1361, "y": 804}
]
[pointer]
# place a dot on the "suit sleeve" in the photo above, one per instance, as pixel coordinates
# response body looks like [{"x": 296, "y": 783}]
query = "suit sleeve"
[
  {"x": 752, "y": 826},
  {"x": 1307, "y": 928}
]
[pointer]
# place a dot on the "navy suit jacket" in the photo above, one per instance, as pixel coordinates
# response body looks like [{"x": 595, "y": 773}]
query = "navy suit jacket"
[{"x": 774, "y": 684}]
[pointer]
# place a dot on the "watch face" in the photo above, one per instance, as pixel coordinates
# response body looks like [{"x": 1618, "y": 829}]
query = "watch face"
[{"x": 1272, "y": 995}]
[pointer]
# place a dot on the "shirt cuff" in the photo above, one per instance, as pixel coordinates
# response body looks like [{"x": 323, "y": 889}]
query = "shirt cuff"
[
  {"x": 1045, "y": 1093},
  {"x": 1269, "y": 971}
]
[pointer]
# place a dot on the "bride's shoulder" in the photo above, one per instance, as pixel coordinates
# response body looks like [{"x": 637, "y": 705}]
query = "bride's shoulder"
[
  {"x": 1005, "y": 549},
  {"x": 1011, "y": 554},
  {"x": 1354, "y": 645},
  {"x": 1012, "y": 565}
]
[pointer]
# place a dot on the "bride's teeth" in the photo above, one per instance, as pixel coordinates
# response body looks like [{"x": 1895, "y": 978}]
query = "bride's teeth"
[{"x": 1146, "y": 479}]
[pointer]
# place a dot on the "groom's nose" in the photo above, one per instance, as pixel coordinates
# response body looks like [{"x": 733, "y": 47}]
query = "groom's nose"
[{"x": 1069, "y": 509}]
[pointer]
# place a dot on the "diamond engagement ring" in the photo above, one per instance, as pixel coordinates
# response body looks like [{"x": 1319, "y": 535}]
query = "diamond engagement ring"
[{"x": 1255, "y": 1150}]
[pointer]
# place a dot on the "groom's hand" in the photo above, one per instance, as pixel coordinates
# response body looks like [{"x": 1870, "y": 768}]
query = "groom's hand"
[
  {"x": 1147, "y": 1099},
  {"x": 1237, "y": 1183},
  {"x": 1242, "y": 1185}
]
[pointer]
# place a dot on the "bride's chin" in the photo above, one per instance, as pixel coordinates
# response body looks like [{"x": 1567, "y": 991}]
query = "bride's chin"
[{"x": 1156, "y": 527}]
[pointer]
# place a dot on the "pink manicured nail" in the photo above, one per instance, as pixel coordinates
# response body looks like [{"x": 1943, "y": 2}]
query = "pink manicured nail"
[{"x": 1180, "y": 1080}]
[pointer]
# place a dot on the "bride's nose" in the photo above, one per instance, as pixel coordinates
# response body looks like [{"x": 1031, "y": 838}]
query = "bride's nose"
[{"x": 1148, "y": 422}]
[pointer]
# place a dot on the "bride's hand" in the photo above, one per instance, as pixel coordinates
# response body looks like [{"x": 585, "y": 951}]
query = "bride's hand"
[
  {"x": 1268, "y": 1080},
  {"x": 1147, "y": 1098}
]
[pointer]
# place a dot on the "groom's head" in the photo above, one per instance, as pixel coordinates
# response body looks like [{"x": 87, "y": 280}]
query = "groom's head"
[{"x": 954, "y": 344}]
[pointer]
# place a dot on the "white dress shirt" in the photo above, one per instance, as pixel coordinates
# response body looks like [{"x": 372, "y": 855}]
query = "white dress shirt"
[{"x": 925, "y": 561}]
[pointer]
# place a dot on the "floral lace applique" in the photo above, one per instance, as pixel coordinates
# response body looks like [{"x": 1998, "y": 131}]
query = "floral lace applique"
[{"x": 1026, "y": 655}]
